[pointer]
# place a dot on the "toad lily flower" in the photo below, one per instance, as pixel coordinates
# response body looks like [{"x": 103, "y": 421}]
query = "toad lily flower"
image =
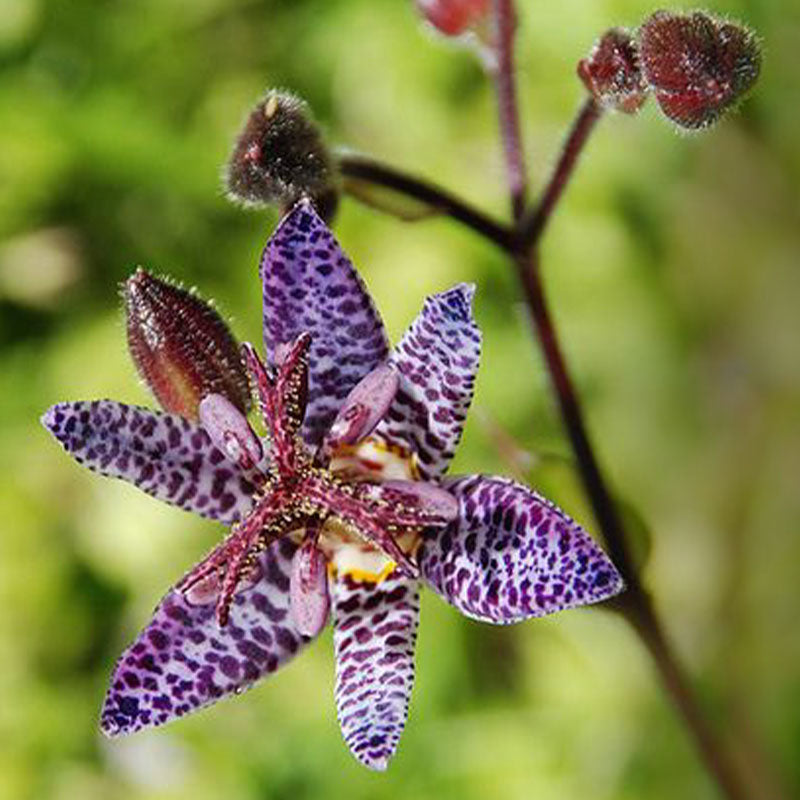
[{"x": 343, "y": 510}]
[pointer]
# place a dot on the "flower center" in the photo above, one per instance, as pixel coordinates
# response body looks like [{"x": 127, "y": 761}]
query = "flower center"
[{"x": 352, "y": 504}]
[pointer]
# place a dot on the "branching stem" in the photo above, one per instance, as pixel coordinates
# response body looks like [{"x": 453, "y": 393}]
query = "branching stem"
[{"x": 520, "y": 243}]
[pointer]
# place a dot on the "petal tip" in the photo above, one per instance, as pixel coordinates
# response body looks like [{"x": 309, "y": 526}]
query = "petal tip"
[
  {"x": 376, "y": 764},
  {"x": 301, "y": 215},
  {"x": 48, "y": 419},
  {"x": 53, "y": 420},
  {"x": 457, "y": 301}
]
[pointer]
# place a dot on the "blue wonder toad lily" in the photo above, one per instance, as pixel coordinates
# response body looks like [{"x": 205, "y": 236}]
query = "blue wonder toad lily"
[{"x": 343, "y": 510}]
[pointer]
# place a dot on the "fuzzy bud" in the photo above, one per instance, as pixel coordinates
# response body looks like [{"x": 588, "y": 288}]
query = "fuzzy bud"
[
  {"x": 280, "y": 156},
  {"x": 181, "y": 346},
  {"x": 697, "y": 66},
  {"x": 454, "y": 17},
  {"x": 612, "y": 73}
]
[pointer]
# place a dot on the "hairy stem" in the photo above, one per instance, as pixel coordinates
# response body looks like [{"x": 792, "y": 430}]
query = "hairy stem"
[
  {"x": 373, "y": 172},
  {"x": 503, "y": 72},
  {"x": 534, "y": 222}
]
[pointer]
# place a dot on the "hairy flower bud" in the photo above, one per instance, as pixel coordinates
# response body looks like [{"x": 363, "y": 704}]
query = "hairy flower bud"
[
  {"x": 612, "y": 73},
  {"x": 280, "y": 156},
  {"x": 181, "y": 346},
  {"x": 453, "y": 17},
  {"x": 697, "y": 66}
]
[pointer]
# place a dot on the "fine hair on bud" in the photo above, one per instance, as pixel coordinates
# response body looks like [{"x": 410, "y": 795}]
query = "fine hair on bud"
[
  {"x": 181, "y": 346},
  {"x": 697, "y": 65},
  {"x": 281, "y": 156},
  {"x": 612, "y": 74}
]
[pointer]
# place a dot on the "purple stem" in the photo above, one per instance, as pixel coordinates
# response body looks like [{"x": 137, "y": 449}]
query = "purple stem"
[
  {"x": 533, "y": 223},
  {"x": 370, "y": 171},
  {"x": 504, "y": 73},
  {"x": 635, "y": 604}
]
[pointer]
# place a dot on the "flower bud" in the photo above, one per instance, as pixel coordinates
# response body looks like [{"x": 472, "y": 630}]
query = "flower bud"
[
  {"x": 697, "y": 66},
  {"x": 612, "y": 73},
  {"x": 181, "y": 346},
  {"x": 280, "y": 156},
  {"x": 453, "y": 17}
]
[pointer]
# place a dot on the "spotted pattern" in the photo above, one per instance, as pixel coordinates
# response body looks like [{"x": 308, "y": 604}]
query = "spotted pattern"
[
  {"x": 310, "y": 285},
  {"x": 513, "y": 555},
  {"x": 375, "y": 630},
  {"x": 183, "y": 660},
  {"x": 165, "y": 455},
  {"x": 438, "y": 360}
]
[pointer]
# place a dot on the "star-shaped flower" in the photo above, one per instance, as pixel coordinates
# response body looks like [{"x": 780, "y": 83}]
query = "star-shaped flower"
[{"x": 342, "y": 508}]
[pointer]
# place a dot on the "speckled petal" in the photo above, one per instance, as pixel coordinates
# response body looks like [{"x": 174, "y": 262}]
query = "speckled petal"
[
  {"x": 375, "y": 630},
  {"x": 183, "y": 661},
  {"x": 310, "y": 285},
  {"x": 513, "y": 555},
  {"x": 438, "y": 359},
  {"x": 163, "y": 454}
]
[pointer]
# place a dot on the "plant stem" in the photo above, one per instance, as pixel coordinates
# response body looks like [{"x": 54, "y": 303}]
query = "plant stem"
[
  {"x": 503, "y": 72},
  {"x": 533, "y": 224},
  {"x": 370, "y": 171},
  {"x": 635, "y": 604}
]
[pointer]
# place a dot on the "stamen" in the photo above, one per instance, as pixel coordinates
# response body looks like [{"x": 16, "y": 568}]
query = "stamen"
[
  {"x": 230, "y": 431},
  {"x": 309, "y": 601},
  {"x": 363, "y": 408}
]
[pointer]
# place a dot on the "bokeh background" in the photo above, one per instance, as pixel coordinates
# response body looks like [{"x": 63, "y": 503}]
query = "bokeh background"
[{"x": 674, "y": 272}]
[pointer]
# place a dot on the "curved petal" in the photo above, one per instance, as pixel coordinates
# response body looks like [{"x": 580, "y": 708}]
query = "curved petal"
[
  {"x": 165, "y": 455},
  {"x": 310, "y": 285},
  {"x": 513, "y": 555},
  {"x": 375, "y": 630},
  {"x": 183, "y": 660},
  {"x": 438, "y": 360}
]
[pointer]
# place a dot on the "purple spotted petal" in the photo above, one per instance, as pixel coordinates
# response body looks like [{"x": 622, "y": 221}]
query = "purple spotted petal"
[
  {"x": 310, "y": 285},
  {"x": 375, "y": 629},
  {"x": 513, "y": 555},
  {"x": 163, "y": 454},
  {"x": 183, "y": 660},
  {"x": 438, "y": 359}
]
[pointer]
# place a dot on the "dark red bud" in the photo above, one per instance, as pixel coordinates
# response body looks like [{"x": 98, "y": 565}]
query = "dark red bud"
[
  {"x": 280, "y": 156},
  {"x": 454, "y": 17},
  {"x": 698, "y": 66},
  {"x": 612, "y": 73},
  {"x": 181, "y": 346}
]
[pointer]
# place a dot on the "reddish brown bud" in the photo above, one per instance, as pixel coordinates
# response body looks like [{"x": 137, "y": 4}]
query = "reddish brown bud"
[
  {"x": 453, "y": 17},
  {"x": 697, "y": 66},
  {"x": 181, "y": 346},
  {"x": 612, "y": 73},
  {"x": 280, "y": 156}
]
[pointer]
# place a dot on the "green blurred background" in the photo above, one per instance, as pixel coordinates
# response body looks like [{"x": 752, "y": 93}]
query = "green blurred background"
[{"x": 674, "y": 272}]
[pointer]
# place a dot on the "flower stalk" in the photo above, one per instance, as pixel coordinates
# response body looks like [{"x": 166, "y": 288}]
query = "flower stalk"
[{"x": 520, "y": 243}]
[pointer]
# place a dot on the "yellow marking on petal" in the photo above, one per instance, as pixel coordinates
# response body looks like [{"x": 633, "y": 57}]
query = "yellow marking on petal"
[{"x": 362, "y": 575}]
